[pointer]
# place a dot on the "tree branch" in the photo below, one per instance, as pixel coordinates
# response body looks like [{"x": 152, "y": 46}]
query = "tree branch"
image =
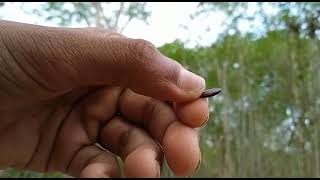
[
  {"x": 129, "y": 20},
  {"x": 99, "y": 11},
  {"x": 76, "y": 6},
  {"x": 115, "y": 26},
  {"x": 125, "y": 25}
]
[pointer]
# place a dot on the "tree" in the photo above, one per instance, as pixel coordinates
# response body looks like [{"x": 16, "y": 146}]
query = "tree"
[
  {"x": 113, "y": 16},
  {"x": 301, "y": 18}
]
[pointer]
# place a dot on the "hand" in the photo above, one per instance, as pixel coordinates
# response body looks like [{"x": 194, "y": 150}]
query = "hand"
[{"x": 71, "y": 100}]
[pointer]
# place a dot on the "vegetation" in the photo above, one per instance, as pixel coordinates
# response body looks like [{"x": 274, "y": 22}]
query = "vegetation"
[
  {"x": 266, "y": 122},
  {"x": 113, "y": 16}
]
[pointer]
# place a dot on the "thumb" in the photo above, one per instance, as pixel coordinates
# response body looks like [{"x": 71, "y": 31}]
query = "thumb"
[
  {"x": 62, "y": 59},
  {"x": 138, "y": 65}
]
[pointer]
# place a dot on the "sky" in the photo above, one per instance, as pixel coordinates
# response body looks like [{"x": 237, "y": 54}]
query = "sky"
[
  {"x": 167, "y": 19},
  {"x": 165, "y": 25}
]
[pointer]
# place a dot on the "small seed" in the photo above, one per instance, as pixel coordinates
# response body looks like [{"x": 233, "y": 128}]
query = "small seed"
[{"x": 210, "y": 92}]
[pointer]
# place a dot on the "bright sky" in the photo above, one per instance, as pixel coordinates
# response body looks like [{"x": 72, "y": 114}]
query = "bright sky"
[
  {"x": 165, "y": 23},
  {"x": 167, "y": 20}
]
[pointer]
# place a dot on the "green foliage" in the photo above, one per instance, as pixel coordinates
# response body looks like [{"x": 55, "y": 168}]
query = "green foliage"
[
  {"x": 264, "y": 123},
  {"x": 299, "y": 17},
  {"x": 12, "y": 173},
  {"x": 57, "y": 10},
  {"x": 137, "y": 10}
]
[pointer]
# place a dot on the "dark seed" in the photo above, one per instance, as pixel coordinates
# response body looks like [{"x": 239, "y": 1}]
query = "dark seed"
[{"x": 210, "y": 92}]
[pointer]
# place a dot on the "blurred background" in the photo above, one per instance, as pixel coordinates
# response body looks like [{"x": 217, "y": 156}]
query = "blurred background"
[{"x": 264, "y": 55}]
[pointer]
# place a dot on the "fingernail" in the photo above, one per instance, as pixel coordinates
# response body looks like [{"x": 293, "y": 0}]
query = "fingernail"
[
  {"x": 199, "y": 163},
  {"x": 205, "y": 121},
  {"x": 190, "y": 82}
]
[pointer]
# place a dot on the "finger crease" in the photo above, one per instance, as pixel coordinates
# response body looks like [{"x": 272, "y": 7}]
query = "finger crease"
[{"x": 149, "y": 113}]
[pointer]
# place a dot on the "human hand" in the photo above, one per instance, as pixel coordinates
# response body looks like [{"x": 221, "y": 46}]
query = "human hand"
[{"x": 62, "y": 91}]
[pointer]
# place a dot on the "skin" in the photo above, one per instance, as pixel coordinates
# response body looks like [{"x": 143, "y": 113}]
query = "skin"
[{"x": 71, "y": 100}]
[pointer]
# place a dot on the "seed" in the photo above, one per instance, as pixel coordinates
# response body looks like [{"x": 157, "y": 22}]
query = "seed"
[{"x": 210, "y": 92}]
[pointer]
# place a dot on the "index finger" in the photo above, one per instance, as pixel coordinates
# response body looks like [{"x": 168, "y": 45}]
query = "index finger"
[{"x": 194, "y": 114}]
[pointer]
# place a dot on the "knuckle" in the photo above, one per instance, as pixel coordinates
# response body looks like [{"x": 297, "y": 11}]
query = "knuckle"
[
  {"x": 142, "y": 49},
  {"x": 173, "y": 71}
]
